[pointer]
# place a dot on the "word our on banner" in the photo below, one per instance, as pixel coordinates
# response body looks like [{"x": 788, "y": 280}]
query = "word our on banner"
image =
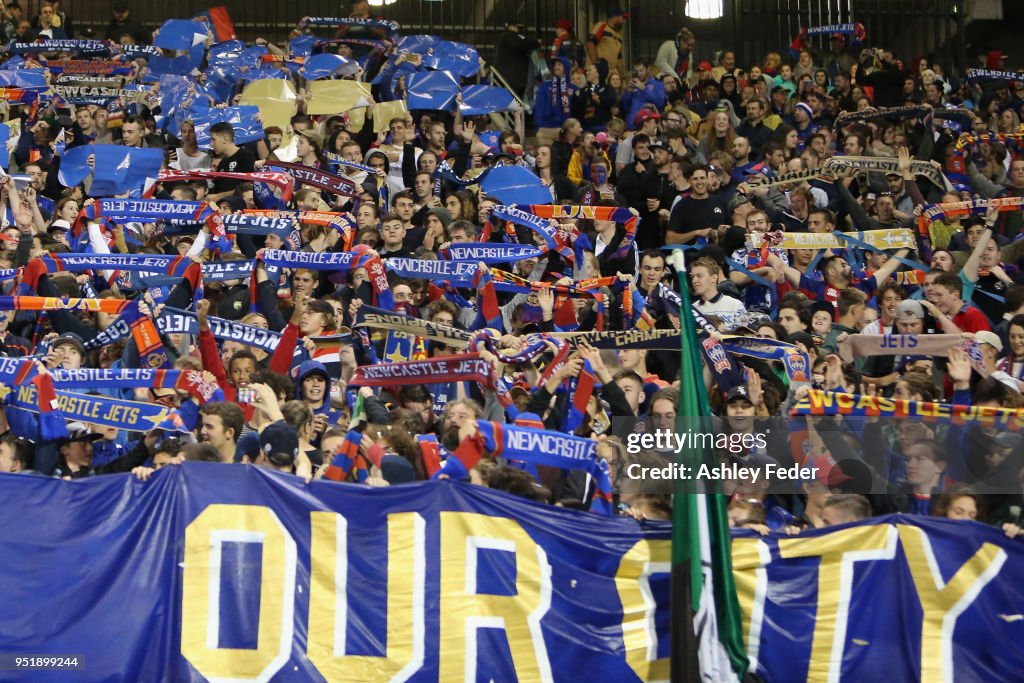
[{"x": 252, "y": 573}]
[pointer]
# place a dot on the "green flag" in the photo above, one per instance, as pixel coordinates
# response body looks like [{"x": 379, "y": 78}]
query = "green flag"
[{"x": 707, "y": 633}]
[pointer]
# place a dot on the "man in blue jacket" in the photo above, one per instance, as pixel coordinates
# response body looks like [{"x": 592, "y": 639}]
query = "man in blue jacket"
[
  {"x": 643, "y": 90},
  {"x": 553, "y": 103}
]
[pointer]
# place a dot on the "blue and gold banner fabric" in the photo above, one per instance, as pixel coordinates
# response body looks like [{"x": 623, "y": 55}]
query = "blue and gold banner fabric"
[{"x": 211, "y": 571}]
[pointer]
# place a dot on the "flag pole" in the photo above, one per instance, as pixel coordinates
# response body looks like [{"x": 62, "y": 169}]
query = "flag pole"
[{"x": 706, "y": 632}]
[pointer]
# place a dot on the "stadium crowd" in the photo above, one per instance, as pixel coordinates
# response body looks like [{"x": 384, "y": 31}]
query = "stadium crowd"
[{"x": 752, "y": 172}]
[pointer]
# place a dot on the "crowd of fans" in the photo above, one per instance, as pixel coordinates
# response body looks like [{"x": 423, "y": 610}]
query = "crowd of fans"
[{"x": 694, "y": 147}]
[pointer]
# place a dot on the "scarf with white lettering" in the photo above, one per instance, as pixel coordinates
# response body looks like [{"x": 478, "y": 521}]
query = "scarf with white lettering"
[
  {"x": 322, "y": 180},
  {"x": 219, "y": 271},
  {"x": 343, "y": 222},
  {"x": 570, "y": 244},
  {"x": 456, "y": 273},
  {"x": 551, "y": 449},
  {"x": 560, "y": 95},
  {"x": 446, "y": 173},
  {"x": 467, "y": 367},
  {"x": 191, "y": 381},
  {"x": 490, "y": 253},
  {"x": 149, "y": 210},
  {"x": 284, "y": 182},
  {"x": 376, "y": 318},
  {"x": 175, "y": 267},
  {"x": 338, "y": 160},
  {"x": 885, "y": 165},
  {"x": 96, "y": 47},
  {"x": 332, "y": 261},
  {"x": 22, "y": 385},
  {"x": 251, "y": 224},
  {"x": 983, "y": 75},
  {"x": 831, "y": 28},
  {"x": 392, "y": 27}
]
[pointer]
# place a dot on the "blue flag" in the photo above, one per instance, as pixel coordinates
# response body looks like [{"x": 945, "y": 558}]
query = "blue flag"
[
  {"x": 325, "y": 65},
  {"x": 515, "y": 185},
  {"x": 435, "y": 90},
  {"x": 118, "y": 169},
  {"x": 244, "y": 119},
  {"x": 181, "y": 35},
  {"x": 485, "y": 99}
]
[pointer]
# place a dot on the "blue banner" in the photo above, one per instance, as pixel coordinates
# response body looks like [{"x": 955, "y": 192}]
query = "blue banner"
[
  {"x": 212, "y": 571},
  {"x": 435, "y": 90},
  {"x": 486, "y": 99},
  {"x": 116, "y": 169},
  {"x": 244, "y": 119}
]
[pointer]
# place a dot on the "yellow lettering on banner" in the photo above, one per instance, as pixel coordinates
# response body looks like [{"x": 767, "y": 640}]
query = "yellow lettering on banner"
[
  {"x": 749, "y": 557},
  {"x": 835, "y": 586},
  {"x": 27, "y": 393},
  {"x": 464, "y": 610},
  {"x": 866, "y": 402},
  {"x": 200, "y": 605},
  {"x": 632, "y": 581},
  {"x": 944, "y": 601},
  {"x": 328, "y": 614}
]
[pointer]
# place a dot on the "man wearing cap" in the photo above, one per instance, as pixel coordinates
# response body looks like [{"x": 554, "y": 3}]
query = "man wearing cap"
[
  {"x": 279, "y": 447},
  {"x": 66, "y": 351},
  {"x": 74, "y": 454},
  {"x": 606, "y": 40},
  {"x": 803, "y": 121},
  {"x": 991, "y": 347},
  {"x": 512, "y": 55}
]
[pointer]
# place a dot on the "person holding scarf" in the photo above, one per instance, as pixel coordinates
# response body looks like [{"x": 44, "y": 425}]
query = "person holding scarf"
[
  {"x": 554, "y": 101},
  {"x": 675, "y": 58}
]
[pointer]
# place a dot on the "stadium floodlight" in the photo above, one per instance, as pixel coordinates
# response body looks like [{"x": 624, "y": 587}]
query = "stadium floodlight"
[
  {"x": 703, "y": 9},
  {"x": 381, "y": 3}
]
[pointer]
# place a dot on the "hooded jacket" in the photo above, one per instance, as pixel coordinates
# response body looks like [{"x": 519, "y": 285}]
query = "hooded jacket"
[{"x": 548, "y": 112}]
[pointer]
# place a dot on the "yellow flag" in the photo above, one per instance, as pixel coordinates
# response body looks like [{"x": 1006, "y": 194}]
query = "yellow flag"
[
  {"x": 383, "y": 112},
  {"x": 336, "y": 97},
  {"x": 275, "y": 98}
]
